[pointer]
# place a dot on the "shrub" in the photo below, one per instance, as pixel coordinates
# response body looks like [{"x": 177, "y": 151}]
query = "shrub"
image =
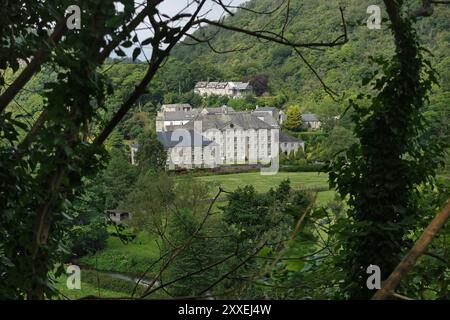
[{"x": 302, "y": 168}]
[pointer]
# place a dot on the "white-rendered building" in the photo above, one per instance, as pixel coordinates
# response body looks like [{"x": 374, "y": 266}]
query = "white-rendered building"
[
  {"x": 231, "y": 88},
  {"x": 224, "y": 139},
  {"x": 220, "y": 136},
  {"x": 173, "y": 119}
]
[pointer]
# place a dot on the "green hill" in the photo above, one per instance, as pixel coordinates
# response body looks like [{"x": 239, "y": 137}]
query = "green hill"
[
  {"x": 289, "y": 80},
  {"x": 342, "y": 67}
]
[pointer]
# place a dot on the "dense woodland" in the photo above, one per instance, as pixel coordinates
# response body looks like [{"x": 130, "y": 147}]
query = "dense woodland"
[{"x": 199, "y": 240}]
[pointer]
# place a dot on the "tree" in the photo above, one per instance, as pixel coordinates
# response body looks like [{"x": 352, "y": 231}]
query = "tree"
[
  {"x": 338, "y": 141},
  {"x": 151, "y": 155},
  {"x": 42, "y": 165},
  {"x": 88, "y": 233},
  {"x": 381, "y": 175},
  {"x": 259, "y": 83},
  {"x": 118, "y": 178},
  {"x": 149, "y": 201},
  {"x": 294, "y": 118}
]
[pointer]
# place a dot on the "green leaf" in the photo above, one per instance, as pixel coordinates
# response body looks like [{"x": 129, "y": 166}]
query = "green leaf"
[
  {"x": 293, "y": 265},
  {"x": 136, "y": 53},
  {"x": 147, "y": 41},
  {"x": 127, "y": 44},
  {"x": 120, "y": 52}
]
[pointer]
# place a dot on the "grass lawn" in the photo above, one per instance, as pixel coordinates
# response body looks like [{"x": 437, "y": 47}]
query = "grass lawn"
[
  {"x": 143, "y": 245},
  {"x": 230, "y": 182},
  {"x": 263, "y": 183},
  {"x": 324, "y": 197},
  {"x": 133, "y": 257},
  {"x": 86, "y": 289}
]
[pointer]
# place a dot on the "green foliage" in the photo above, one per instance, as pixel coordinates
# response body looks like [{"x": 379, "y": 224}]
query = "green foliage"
[
  {"x": 151, "y": 155},
  {"x": 118, "y": 178},
  {"x": 149, "y": 201},
  {"x": 51, "y": 176},
  {"x": 381, "y": 174},
  {"x": 137, "y": 124},
  {"x": 248, "y": 212},
  {"x": 88, "y": 233},
  {"x": 430, "y": 277},
  {"x": 394, "y": 157},
  {"x": 199, "y": 252},
  {"x": 294, "y": 118},
  {"x": 338, "y": 141}
]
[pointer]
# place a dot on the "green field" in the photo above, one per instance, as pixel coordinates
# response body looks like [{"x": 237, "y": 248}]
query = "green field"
[
  {"x": 133, "y": 257},
  {"x": 263, "y": 183},
  {"x": 87, "y": 289},
  {"x": 230, "y": 182}
]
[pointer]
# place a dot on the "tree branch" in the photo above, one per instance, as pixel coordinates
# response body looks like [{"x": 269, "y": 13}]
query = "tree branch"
[
  {"x": 417, "y": 250},
  {"x": 39, "y": 58}
]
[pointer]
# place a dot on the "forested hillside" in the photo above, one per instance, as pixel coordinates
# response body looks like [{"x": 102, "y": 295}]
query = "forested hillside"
[
  {"x": 290, "y": 81},
  {"x": 283, "y": 75},
  {"x": 341, "y": 67}
]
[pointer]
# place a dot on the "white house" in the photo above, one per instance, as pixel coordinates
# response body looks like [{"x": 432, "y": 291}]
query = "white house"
[
  {"x": 173, "y": 119},
  {"x": 290, "y": 144},
  {"x": 310, "y": 121},
  {"x": 212, "y": 140},
  {"x": 231, "y": 88},
  {"x": 176, "y": 107},
  {"x": 218, "y": 136}
]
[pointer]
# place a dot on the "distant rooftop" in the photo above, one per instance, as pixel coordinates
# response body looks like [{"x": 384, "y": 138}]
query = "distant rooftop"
[
  {"x": 285, "y": 137},
  {"x": 235, "y": 85},
  {"x": 178, "y": 115},
  {"x": 309, "y": 117},
  {"x": 219, "y": 121},
  {"x": 239, "y": 85},
  {"x": 265, "y": 109},
  {"x": 218, "y": 110},
  {"x": 176, "y": 106},
  {"x": 266, "y": 117},
  {"x": 168, "y": 139}
]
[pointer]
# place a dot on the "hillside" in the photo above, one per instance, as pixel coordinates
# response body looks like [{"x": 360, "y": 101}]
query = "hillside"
[
  {"x": 342, "y": 68},
  {"x": 289, "y": 79}
]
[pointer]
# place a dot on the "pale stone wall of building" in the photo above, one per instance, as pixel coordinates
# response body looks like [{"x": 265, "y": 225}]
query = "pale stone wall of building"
[
  {"x": 229, "y": 146},
  {"x": 288, "y": 147}
]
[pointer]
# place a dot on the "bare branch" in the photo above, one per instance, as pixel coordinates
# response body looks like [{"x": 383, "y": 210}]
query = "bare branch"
[{"x": 277, "y": 38}]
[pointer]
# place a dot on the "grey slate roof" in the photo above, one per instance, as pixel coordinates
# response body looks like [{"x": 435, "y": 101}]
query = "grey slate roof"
[
  {"x": 178, "y": 115},
  {"x": 284, "y": 137},
  {"x": 178, "y": 105},
  {"x": 267, "y": 117},
  {"x": 219, "y": 121},
  {"x": 201, "y": 84},
  {"x": 240, "y": 85},
  {"x": 309, "y": 117},
  {"x": 219, "y": 110},
  {"x": 236, "y": 85},
  {"x": 265, "y": 109},
  {"x": 165, "y": 137}
]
